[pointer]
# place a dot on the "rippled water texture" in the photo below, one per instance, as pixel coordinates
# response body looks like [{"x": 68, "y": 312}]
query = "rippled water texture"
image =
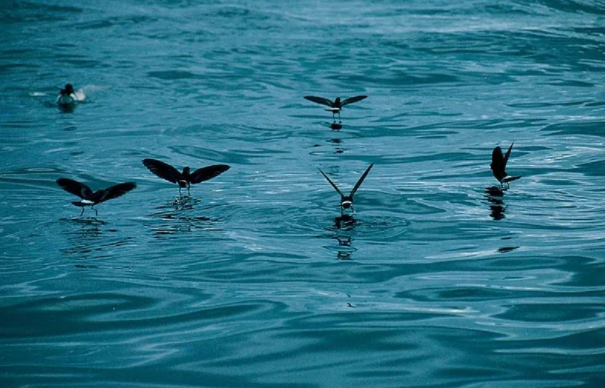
[{"x": 257, "y": 281}]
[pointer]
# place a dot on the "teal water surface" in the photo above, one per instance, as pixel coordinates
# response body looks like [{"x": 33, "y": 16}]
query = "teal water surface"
[{"x": 256, "y": 281}]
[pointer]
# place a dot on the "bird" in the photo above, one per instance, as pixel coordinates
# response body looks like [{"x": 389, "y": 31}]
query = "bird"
[
  {"x": 67, "y": 96},
  {"x": 498, "y": 166},
  {"x": 186, "y": 178},
  {"x": 336, "y": 105},
  {"x": 346, "y": 201},
  {"x": 90, "y": 198}
]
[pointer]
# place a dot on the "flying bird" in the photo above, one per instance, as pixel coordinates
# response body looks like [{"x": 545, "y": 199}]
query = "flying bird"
[
  {"x": 498, "y": 166},
  {"x": 336, "y": 105},
  {"x": 346, "y": 201},
  {"x": 186, "y": 178},
  {"x": 90, "y": 198}
]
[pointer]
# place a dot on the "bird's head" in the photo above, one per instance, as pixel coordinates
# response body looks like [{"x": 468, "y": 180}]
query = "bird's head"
[
  {"x": 69, "y": 89},
  {"x": 186, "y": 170},
  {"x": 337, "y": 101}
]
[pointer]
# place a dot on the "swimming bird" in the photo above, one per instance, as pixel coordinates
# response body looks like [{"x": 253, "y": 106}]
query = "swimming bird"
[
  {"x": 90, "y": 198},
  {"x": 346, "y": 201},
  {"x": 336, "y": 105},
  {"x": 185, "y": 178},
  {"x": 498, "y": 166},
  {"x": 67, "y": 96}
]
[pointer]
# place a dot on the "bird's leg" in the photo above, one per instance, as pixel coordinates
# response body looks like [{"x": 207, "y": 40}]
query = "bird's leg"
[
  {"x": 333, "y": 117},
  {"x": 96, "y": 212},
  {"x": 82, "y": 212},
  {"x": 339, "y": 120},
  {"x": 188, "y": 189},
  {"x": 180, "y": 193}
]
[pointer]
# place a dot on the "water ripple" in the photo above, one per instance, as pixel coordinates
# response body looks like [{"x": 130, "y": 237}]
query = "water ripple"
[{"x": 439, "y": 278}]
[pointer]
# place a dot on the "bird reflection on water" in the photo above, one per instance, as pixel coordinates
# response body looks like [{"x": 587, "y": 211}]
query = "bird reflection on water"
[
  {"x": 176, "y": 218},
  {"x": 90, "y": 229},
  {"x": 67, "y": 108},
  {"x": 345, "y": 222},
  {"x": 497, "y": 205},
  {"x": 337, "y": 145},
  {"x": 89, "y": 239},
  {"x": 181, "y": 202},
  {"x": 344, "y": 225}
]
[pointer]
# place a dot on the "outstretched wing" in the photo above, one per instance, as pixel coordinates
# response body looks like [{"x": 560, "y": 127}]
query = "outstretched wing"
[
  {"x": 352, "y": 100},
  {"x": 497, "y": 160},
  {"x": 116, "y": 191},
  {"x": 332, "y": 183},
  {"x": 497, "y": 165},
  {"x": 508, "y": 154},
  {"x": 360, "y": 181},
  {"x": 163, "y": 170},
  {"x": 320, "y": 100},
  {"x": 75, "y": 188},
  {"x": 206, "y": 173}
]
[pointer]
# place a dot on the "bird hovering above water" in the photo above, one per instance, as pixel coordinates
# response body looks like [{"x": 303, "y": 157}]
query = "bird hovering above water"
[
  {"x": 336, "y": 105},
  {"x": 498, "y": 166},
  {"x": 346, "y": 201},
  {"x": 90, "y": 198},
  {"x": 186, "y": 178}
]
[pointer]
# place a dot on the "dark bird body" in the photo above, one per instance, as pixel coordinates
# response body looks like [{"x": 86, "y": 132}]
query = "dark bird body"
[
  {"x": 186, "y": 178},
  {"x": 67, "y": 96},
  {"x": 336, "y": 105},
  {"x": 90, "y": 198},
  {"x": 498, "y": 166},
  {"x": 346, "y": 201}
]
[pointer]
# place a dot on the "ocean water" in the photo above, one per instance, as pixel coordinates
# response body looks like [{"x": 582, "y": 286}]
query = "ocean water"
[{"x": 256, "y": 280}]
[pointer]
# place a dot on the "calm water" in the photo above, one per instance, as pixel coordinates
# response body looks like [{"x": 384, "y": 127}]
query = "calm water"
[{"x": 256, "y": 282}]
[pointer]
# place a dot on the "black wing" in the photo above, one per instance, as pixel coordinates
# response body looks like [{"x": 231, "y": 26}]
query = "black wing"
[
  {"x": 206, "y": 173},
  {"x": 75, "y": 188},
  {"x": 360, "y": 181},
  {"x": 332, "y": 183},
  {"x": 508, "y": 154},
  {"x": 497, "y": 165},
  {"x": 320, "y": 100},
  {"x": 497, "y": 160},
  {"x": 352, "y": 100},
  {"x": 163, "y": 170},
  {"x": 116, "y": 191}
]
